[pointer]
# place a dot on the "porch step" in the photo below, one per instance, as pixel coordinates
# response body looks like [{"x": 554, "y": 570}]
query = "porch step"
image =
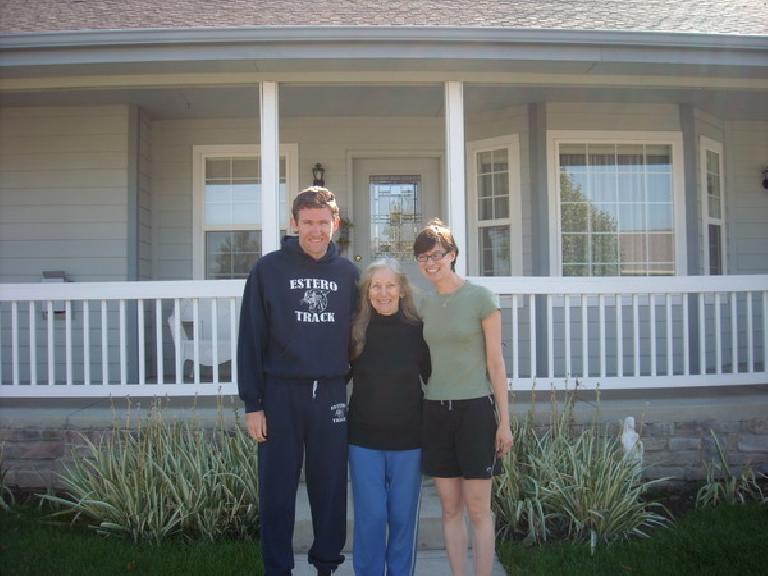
[{"x": 430, "y": 535}]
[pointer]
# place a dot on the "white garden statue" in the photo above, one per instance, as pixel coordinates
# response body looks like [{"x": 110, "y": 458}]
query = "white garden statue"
[{"x": 630, "y": 439}]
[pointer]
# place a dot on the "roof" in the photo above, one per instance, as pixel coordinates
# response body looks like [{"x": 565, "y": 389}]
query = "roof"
[{"x": 733, "y": 17}]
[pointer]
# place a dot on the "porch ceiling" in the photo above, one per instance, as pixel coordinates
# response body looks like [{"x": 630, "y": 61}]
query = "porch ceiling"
[{"x": 383, "y": 100}]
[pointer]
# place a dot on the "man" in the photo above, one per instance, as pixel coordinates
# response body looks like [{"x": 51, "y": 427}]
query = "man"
[{"x": 293, "y": 358}]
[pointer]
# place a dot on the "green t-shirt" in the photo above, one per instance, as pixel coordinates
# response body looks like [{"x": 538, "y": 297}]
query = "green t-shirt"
[{"x": 453, "y": 329}]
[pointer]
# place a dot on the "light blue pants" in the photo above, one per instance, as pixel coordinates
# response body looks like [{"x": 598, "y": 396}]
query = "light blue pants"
[{"x": 386, "y": 487}]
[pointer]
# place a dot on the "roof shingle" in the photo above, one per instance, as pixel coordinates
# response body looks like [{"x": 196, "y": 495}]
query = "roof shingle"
[{"x": 740, "y": 17}]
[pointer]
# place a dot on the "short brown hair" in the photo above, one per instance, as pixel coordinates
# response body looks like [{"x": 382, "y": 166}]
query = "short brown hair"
[
  {"x": 314, "y": 197},
  {"x": 433, "y": 234}
]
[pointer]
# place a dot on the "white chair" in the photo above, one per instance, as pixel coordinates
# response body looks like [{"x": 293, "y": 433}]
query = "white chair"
[{"x": 204, "y": 333}]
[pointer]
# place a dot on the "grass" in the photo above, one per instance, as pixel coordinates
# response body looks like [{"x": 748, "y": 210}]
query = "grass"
[
  {"x": 29, "y": 546},
  {"x": 723, "y": 540}
]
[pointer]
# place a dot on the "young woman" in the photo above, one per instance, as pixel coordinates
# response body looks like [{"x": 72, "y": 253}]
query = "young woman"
[
  {"x": 466, "y": 414},
  {"x": 390, "y": 361}
]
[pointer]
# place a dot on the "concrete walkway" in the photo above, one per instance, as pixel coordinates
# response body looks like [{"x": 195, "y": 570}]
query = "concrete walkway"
[{"x": 428, "y": 563}]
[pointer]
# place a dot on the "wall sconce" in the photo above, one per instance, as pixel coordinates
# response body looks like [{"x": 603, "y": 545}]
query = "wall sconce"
[
  {"x": 765, "y": 178},
  {"x": 318, "y": 175}
]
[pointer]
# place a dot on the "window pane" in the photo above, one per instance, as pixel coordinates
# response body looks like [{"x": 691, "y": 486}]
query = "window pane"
[
  {"x": 661, "y": 247},
  {"x": 603, "y": 187},
  {"x": 632, "y": 187},
  {"x": 500, "y": 161},
  {"x": 713, "y": 185},
  {"x": 501, "y": 207},
  {"x": 485, "y": 186},
  {"x": 249, "y": 168},
  {"x": 573, "y": 217},
  {"x": 604, "y": 217},
  {"x": 660, "y": 217},
  {"x": 659, "y": 188},
  {"x": 217, "y": 168},
  {"x": 605, "y": 248},
  {"x": 574, "y": 248},
  {"x": 629, "y": 157},
  {"x": 486, "y": 209},
  {"x": 602, "y": 158},
  {"x": 633, "y": 269},
  {"x": 494, "y": 251},
  {"x": 573, "y": 187},
  {"x": 501, "y": 184},
  {"x": 715, "y": 251},
  {"x": 632, "y": 248},
  {"x": 484, "y": 162},
  {"x": 659, "y": 157},
  {"x": 231, "y": 254},
  {"x": 632, "y": 218},
  {"x": 713, "y": 207},
  {"x": 575, "y": 269}
]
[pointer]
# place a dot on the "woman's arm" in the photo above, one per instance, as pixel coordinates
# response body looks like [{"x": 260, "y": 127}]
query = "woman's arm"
[{"x": 498, "y": 373}]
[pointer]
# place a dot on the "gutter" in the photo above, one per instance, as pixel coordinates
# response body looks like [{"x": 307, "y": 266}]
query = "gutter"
[{"x": 377, "y": 35}]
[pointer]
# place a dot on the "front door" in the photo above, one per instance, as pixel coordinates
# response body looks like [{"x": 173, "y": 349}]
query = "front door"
[{"x": 393, "y": 199}]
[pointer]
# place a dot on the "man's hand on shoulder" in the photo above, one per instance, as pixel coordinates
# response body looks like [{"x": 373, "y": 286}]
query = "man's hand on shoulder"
[{"x": 257, "y": 425}]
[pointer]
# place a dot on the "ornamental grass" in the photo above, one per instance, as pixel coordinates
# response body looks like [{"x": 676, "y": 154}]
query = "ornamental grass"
[
  {"x": 572, "y": 483},
  {"x": 161, "y": 479}
]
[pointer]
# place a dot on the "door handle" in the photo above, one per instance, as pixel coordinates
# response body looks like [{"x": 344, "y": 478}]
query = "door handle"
[{"x": 358, "y": 258}]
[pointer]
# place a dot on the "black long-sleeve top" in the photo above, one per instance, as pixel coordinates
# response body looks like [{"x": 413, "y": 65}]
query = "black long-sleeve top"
[{"x": 385, "y": 408}]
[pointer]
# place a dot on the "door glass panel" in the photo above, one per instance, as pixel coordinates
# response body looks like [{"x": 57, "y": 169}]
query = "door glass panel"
[
  {"x": 395, "y": 215},
  {"x": 494, "y": 251}
]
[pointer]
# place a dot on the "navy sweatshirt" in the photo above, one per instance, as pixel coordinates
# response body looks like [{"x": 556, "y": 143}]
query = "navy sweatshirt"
[{"x": 295, "y": 319}]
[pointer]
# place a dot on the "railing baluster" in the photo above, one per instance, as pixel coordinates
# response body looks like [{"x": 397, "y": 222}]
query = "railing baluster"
[
  {"x": 104, "y": 344},
  {"x": 123, "y": 373},
  {"x": 532, "y": 322},
  {"x": 734, "y": 332},
  {"x": 601, "y": 326},
  {"x": 32, "y": 345},
  {"x": 68, "y": 340},
  {"x": 550, "y": 340},
  {"x": 15, "y": 342},
  {"x": 196, "y": 340},
  {"x": 718, "y": 341},
  {"x": 670, "y": 349},
  {"x": 567, "y": 327},
  {"x": 51, "y": 349},
  {"x": 215, "y": 340},
  {"x": 86, "y": 343},
  {"x": 702, "y": 335},
  {"x": 159, "y": 339},
  {"x": 584, "y": 338},
  {"x": 750, "y": 336},
  {"x": 142, "y": 355},
  {"x": 515, "y": 340},
  {"x": 652, "y": 322},
  {"x": 765, "y": 331},
  {"x": 619, "y": 335},
  {"x": 686, "y": 340},
  {"x": 233, "y": 339},
  {"x": 179, "y": 365},
  {"x": 635, "y": 336}
]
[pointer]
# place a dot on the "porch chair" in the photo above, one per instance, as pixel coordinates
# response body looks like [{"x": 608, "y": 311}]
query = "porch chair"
[{"x": 205, "y": 334}]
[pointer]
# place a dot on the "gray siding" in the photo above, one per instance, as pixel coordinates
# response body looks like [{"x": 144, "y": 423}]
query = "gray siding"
[
  {"x": 746, "y": 154},
  {"x": 144, "y": 183},
  {"x": 63, "y": 190}
]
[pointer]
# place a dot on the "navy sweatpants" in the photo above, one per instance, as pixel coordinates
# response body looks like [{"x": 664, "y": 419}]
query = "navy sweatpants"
[{"x": 306, "y": 421}]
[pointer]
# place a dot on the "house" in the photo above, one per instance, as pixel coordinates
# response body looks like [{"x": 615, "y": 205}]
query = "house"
[{"x": 602, "y": 164}]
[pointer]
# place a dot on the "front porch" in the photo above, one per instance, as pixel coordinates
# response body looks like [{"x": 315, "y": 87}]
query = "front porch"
[{"x": 136, "y": 339}]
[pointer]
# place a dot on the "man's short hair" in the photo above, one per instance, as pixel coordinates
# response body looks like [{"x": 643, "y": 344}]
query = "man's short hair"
[{"x": 314, "y": 197}]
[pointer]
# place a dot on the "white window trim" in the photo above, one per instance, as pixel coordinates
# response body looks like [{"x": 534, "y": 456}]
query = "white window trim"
[
  {"x": 707, "y": 144},
  {"x": 515, "y": 220},
  {"x": 199, "y": 154},
  {"x": 557, "y": 137}
]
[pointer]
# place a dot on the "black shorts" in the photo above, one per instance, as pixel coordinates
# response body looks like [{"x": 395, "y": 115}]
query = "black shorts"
[{"x": 459, "y": 439}]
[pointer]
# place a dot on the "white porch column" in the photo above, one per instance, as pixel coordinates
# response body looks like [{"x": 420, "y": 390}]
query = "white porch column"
[
  {"x": 270, "y": 166},
  {"x": 454, "y": 169}
]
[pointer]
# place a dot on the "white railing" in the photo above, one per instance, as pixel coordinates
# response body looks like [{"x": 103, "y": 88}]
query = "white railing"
[
  {"x": 179, "y": 338},
  {"x": 119, "y": 338}
]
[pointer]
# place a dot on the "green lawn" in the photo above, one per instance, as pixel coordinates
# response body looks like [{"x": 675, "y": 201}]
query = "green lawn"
[
  {"x": 728, "y": 540},
  {"x": 29, "y": 547}
]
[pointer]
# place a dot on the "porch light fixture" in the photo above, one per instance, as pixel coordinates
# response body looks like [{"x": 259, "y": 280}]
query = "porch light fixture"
[
  {"x": 318, "y": 175},
  {"x": 765, "y": 178}
]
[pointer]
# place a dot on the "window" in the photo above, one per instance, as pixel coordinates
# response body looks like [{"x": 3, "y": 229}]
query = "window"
[
  {"x": 227, "y": 210},
  {"x": 395, "y": 215},
  {"x": 617, "y": 204},
  {"x": 713, "y": 206},
  {"x": 495, "y": 213}
]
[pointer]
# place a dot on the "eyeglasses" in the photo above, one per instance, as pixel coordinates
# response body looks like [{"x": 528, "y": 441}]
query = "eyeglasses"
[{"x": 434, "y": 257}]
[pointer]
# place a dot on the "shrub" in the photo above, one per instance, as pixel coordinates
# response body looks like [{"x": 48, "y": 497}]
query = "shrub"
[
  {"x": 573, "y": 484},
  {"x": 722, "y": 486},
  {"x": 6, "y": 496},
  {"x": 163, "y": 479}
]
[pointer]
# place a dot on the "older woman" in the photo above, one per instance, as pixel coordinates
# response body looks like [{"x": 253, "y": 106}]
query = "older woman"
[
  {"x": 390, "y": 361},
  {"x": 466, "y": 414}
]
